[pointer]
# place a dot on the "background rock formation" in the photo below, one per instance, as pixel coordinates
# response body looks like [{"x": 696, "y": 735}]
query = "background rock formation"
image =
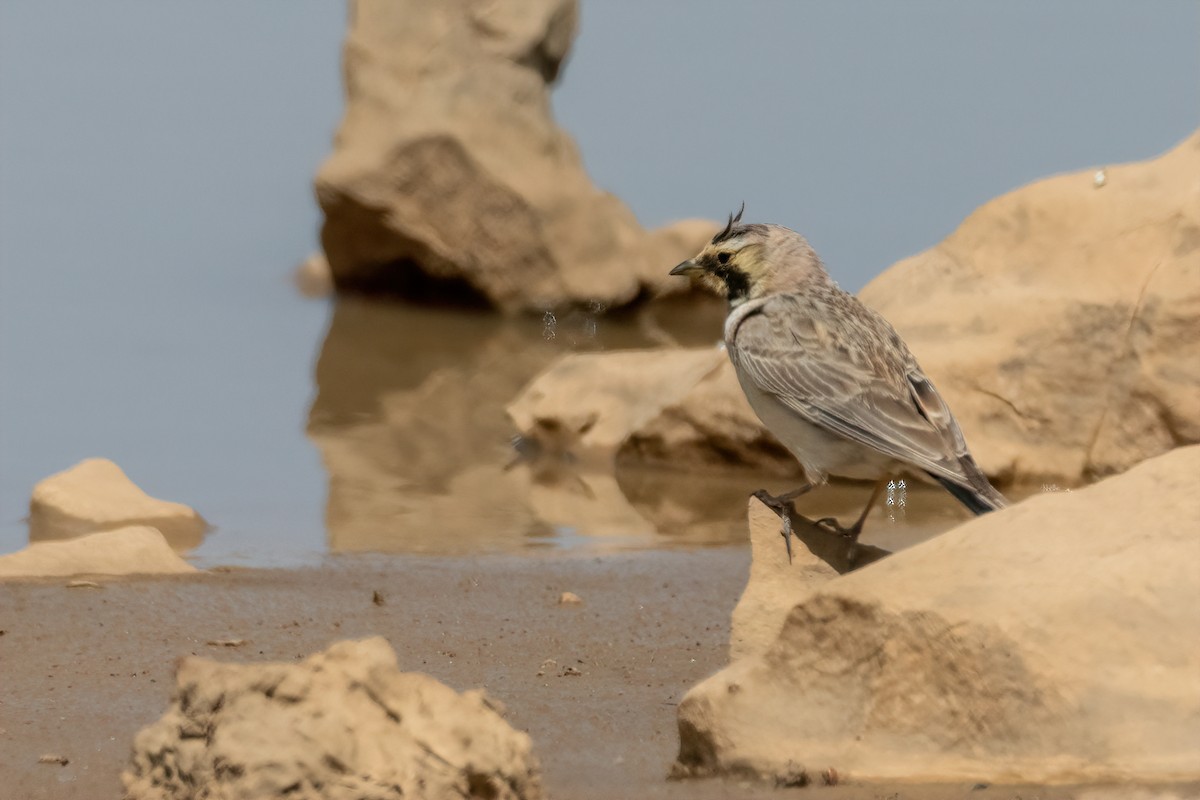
[
  {"x": 449, "y": 178},
  {"x": 1062, "y": 321},
  {"x": 1054, "y": 641},
  {"x": 345, "y": 723}
]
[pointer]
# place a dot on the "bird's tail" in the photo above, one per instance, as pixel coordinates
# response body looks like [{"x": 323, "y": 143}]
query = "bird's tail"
[{"x": 979, "y": 495}]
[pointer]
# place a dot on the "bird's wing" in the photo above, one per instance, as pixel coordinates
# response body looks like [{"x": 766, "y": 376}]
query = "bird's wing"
[{"x": 844, "y": 369}]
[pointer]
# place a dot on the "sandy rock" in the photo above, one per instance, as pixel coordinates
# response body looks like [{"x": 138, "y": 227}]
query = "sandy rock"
[
  {"x": 774, "y": 585},
  {"x": 449, "y": 178},
  {"x": 134, "y": 550},
  {"x": 345, "y": 723},
  {"x": 95, "y": 495},
  {"x": 1055, "y": 641},
  {"x": 681, "y": 408},
  {"x": 1062, "y": 321},
  {"x": 711, "y": 426},
  {"x": 587, "y": 404}
]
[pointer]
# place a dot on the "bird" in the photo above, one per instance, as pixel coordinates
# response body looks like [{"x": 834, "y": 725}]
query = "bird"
[{"x": 829, "y": 377}]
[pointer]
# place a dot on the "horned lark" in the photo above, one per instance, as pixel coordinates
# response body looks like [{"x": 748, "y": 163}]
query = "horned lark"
[{"x": 829, "y": 377}]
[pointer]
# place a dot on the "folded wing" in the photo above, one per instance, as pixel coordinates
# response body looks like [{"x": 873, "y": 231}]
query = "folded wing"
[{"x": 844, "y": 369}]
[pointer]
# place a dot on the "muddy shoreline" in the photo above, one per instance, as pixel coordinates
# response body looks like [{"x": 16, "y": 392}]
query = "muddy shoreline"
[{"x": 85, "y": 668}]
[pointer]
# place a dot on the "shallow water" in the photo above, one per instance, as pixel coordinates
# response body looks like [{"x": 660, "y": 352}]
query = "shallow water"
[
  {"x": 386, "y": 432},
  {"x": 144, "y": 316}
]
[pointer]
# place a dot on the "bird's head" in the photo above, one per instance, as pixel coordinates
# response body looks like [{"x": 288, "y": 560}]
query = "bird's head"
[{"x": 746, "y": 261}]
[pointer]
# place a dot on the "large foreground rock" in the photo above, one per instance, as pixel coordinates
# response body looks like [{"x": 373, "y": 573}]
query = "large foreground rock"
[
  {"x": 450, "y": 179},
  {"x": 136, "y": 550},
  {"x": 1062, "y": 321},
  {"x": 345, "y": 724},
  {"x": 1055, "y": 641},
  {"x": 95, "y": 495}
]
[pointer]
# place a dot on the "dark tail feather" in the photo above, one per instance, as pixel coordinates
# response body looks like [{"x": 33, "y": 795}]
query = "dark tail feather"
[{"x": 979, "y": 500}]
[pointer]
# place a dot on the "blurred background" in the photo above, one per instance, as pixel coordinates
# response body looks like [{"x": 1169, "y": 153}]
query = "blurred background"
[{"x": 156, "y": 166}]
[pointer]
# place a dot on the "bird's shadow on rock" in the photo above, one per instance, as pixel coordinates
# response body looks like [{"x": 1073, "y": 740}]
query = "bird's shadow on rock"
[{"x": 843, "y": 554}]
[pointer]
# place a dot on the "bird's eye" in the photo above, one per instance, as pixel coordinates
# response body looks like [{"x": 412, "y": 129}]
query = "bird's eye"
[{"x": 722, "y": 258}]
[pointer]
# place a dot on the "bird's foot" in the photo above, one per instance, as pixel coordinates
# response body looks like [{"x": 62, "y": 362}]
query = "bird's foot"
[
  {"x": 783, "y": 507},
  {"x": 833, "y": 526}
]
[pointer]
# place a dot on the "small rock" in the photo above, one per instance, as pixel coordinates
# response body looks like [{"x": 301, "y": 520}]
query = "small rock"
[
  {"x": 96, "y": 495},
  {"x": 547, "y": 666},
  {"x": 346, "y": 719},
  {"x": 125, "y": 551},
  {"x": 50, "y": 758},
  {"x": 226, "y": 642},
  {"x": 570, "y": 671},
  {"x": 377, "y": 598},
  {"x": 795, "y": 776},
  {"x": 830, "y": 777},
  {"x": 83, "y": 585},
  {"x": 569, "y": 599},
  {"x": 313, "y": 277}
]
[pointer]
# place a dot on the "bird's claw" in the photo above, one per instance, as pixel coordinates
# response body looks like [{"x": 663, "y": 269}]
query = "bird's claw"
[
  {"x": 833, "y": 526},
  {"x": 783, "y": 509},
  {"x": 786, "y": 530}
]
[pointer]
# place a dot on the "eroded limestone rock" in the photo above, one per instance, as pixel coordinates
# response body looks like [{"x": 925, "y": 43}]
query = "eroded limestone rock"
[
  {"x": 1062, "y": 321},
  {"x": 345, "y": 723},
  {"x": 1057, "y": 640},
  {"x": 450, "y": 179}
]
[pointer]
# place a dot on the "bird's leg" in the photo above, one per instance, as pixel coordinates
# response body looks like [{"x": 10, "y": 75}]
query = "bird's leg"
[
  {"x": 782, "y": 505},
  {"x": 854, "y": 530}
]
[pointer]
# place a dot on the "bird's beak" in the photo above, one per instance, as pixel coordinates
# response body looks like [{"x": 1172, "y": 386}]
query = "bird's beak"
[{"x": 685, "y": 268}]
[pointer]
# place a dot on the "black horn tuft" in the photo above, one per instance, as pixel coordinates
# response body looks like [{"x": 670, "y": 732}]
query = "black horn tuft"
[{"x": 728, "y": 231}]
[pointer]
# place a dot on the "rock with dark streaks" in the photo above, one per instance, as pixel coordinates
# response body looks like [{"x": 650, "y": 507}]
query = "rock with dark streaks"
[{"x": 345, "y": 723}]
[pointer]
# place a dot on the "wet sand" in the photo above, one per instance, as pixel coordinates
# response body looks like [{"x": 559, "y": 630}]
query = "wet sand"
[{"x": 85, "y": 668}]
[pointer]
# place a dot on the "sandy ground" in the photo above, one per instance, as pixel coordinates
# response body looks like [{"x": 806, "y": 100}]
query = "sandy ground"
[{"x": 82, "y": 669}]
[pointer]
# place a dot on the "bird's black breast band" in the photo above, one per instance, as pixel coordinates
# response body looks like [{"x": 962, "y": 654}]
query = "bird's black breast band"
[{"x": 736, "y": 281}]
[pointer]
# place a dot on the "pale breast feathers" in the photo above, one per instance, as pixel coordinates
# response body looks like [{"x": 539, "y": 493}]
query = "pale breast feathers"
[{"x": 843, "y": 368}]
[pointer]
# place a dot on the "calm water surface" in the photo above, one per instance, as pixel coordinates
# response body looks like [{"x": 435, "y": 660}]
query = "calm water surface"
[
  {"x": 155, "y": 187},
  {"x": 385, "y": 432}
]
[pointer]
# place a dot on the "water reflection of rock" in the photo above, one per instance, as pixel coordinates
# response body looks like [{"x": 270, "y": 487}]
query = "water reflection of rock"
[
  {"x": 409, "y": 419},
  {"x": 95, "y": 496},
  {"x": 697, "y": 508}
]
